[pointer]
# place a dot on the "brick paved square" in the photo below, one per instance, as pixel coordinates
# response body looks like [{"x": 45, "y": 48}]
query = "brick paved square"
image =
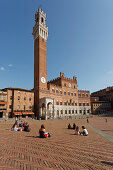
[{"x": 63, "y": 150}]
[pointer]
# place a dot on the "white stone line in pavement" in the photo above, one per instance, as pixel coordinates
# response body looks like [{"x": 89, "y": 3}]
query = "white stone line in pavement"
[{"x": 108, "y": 137}]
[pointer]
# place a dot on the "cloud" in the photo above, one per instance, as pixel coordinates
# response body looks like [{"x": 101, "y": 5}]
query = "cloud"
[
  {"x": 5, "y": 68},
  {"x": 10, "y": 65},
  {"x": 109, "y": 72},
  {"x": 2, "y": 68}
]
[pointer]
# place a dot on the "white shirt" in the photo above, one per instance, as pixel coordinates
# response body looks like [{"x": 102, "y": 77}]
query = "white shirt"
[
  {"x": 85, "y": 131},
  {"x": 15, "y": 128}
]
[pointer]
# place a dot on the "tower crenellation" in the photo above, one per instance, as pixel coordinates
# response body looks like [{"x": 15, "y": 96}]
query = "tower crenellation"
[{"x": 40, "y": 28}]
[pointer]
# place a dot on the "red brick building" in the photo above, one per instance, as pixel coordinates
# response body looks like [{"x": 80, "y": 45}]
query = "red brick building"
[
  {"x": 104, "y": 95},
  {"x": 20, "y": 102},
  {"x": 99, "y": 107},
  {"x": 59, "y": 97}
]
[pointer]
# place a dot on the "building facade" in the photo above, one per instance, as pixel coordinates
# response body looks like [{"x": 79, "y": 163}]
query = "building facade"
[
  {"x": 60, "y": 97},
  {"x": 20, "y": 102},
  {"x": 104, "y": 95},
  {"x": 99, "y": 107},
  {"x": 3, "y": 104}
]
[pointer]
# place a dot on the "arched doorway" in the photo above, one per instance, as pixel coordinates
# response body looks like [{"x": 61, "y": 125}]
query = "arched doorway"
[
  {"x": 49, "y": 110},
  {"x": 84, "y": 112}
]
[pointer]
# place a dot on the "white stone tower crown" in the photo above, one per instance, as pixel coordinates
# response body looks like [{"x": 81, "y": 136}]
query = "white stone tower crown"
[{"x": 40, "y": 28}]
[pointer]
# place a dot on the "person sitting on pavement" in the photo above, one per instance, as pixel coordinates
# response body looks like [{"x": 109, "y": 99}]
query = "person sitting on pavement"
[
  {"x": 74, "y": 126},
  {"x": 69, "y": 126},
  {"x": 24, "y": 124},
  {"x": 77, "y": 131},
  {"x": 21, "y": 124},
  {"x": 43, "y": 133},
  {"x": 85, "y": 132},
  {"x": 15, "y": 127},
  {"x": 26, "y": 128}
]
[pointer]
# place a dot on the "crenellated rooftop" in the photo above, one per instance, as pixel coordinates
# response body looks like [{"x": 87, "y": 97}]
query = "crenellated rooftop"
[
  {"x": 41, "y": 12},
  {"x": 59, "y": 79},
  {"x": 40, "y": 28},
  {"x": 54, "y": 80}
]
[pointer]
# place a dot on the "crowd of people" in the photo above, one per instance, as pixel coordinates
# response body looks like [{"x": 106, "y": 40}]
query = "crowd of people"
[
  {"x": 77, "y": 129},
  {"x": 22, "y": 126}
]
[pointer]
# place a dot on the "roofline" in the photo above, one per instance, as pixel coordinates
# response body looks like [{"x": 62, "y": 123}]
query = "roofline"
[{"x": 14, "y": 88}]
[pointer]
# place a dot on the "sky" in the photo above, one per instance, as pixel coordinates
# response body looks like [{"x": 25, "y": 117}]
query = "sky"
[{"x": 80, "y": 42}]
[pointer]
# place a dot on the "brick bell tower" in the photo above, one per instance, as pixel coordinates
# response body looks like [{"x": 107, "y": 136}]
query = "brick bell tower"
[{"x": 40, "y": 34}]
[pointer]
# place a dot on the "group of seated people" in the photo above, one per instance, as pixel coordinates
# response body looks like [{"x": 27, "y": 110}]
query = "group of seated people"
[
  {"x": 84, "y": 132},
  {"x": 70, "y": 127},
  {"x": 77, "y": 130},
  {"x": 22, "y": 126}
]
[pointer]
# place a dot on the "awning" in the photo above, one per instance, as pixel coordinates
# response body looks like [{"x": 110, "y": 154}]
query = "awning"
[
  {"x": 3, "y": 102},
  {"x": 17, "y": 113},
  {"x": 28, "y": 113}
]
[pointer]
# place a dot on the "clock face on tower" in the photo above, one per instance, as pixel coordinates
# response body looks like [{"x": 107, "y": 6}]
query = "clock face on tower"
[{"x": 43, "y": 80}]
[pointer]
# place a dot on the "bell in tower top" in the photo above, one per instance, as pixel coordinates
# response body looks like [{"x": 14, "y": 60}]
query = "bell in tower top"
[{"x": 40, "y": 28}]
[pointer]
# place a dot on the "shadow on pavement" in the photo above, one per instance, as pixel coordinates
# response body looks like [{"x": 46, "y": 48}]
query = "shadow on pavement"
[
  {"x": 107, "y": 163},
  {"x": 33, "y": 136}
]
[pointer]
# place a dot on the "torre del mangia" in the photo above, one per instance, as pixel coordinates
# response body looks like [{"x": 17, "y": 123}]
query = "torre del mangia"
[{"x": 58, "y": 98}]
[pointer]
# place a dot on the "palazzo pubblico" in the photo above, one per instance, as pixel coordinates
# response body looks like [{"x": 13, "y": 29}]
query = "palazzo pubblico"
[{"x": 58, "y": 98}]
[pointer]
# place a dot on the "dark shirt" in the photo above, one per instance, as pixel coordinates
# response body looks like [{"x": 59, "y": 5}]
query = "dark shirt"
[{"x": 42, "y": 134}]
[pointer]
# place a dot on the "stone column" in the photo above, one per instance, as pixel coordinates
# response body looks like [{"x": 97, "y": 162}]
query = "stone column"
[{"x": 40, "y": 112}]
